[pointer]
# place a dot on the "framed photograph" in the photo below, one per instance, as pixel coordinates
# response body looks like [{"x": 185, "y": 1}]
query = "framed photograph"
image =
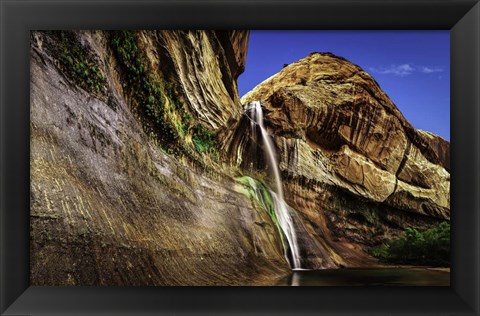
[{"x": 237, "y": 157}]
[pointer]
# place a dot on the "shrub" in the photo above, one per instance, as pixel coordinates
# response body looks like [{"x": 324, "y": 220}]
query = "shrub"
[{"x": 427, "y": 247}]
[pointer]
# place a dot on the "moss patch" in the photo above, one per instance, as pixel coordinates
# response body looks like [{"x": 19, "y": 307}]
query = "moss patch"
[
  {"x": 204, "y": 140},
  {"x": 259, "y": 194},
  {"x": 144, "y": 87},
  {"x": 165, "y": 116},
  {"x": 77, "y": 62}
]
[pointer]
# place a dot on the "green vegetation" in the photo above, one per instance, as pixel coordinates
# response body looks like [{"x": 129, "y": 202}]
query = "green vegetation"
[
  {"x": 77, "y": 62},
  {"x": 427, "y": 247},
  {"x": 166, "y": 116},
  {"x": 146, "y": 89},
  {"x": 204, "y": 140},
  {"x": 258, "y": 192}
]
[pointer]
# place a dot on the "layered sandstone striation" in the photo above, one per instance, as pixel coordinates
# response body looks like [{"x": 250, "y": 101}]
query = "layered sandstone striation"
[
  {"x": 354, "y": 167},
  {"x": 108, "y": 205},
  {"x": 205, "y": 65},
  {"x": 137, "y": 137}
]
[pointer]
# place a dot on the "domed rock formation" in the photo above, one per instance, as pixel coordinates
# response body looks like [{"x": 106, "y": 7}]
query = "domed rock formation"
[
  {"x": 353, "y": 166},
  {"x": 137, "y": 137}
]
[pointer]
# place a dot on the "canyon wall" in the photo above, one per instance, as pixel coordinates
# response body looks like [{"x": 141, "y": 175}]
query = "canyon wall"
[
  {"x": 138, "y": 139},
  {"x": 115, "y": 199},
  {"x": 355, "y": 169}
]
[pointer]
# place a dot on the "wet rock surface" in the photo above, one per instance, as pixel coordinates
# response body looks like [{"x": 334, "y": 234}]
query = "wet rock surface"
[
  {"x": 110, "y": 207},
  {"x": 113, "y": 204},
  {"x": 353, "y": 166}
]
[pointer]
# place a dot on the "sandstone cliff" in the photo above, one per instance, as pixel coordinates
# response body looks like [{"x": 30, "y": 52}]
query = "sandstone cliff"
[
  {"x": 115, "y": 199},
  {"x": 355, "y": 169},
  {"x": 138, "y": 139}
]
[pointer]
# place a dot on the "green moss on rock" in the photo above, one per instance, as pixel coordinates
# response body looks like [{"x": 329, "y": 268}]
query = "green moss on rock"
[
  {"x": 77, "y": 62},
  {"x": 146, "y": 89},
  {"x": 259, "y": 194},
  {"x": 164, "y": 114}
]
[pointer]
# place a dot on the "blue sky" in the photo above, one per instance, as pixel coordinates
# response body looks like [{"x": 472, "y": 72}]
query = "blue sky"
[{"x": 412, "y": 67}]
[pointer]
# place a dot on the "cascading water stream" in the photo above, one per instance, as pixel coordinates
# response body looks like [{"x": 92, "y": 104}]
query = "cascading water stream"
[{"x": 281, "y": 210}]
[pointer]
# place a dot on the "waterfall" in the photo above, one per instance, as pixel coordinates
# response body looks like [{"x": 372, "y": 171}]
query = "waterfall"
[{"x": 281, "y": 209}]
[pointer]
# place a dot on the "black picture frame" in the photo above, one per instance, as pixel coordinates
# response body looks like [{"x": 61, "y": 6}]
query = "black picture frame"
[{"x": 18, "y": 17}]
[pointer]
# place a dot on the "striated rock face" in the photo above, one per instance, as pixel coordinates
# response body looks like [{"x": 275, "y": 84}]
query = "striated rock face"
[
  {"x": 354, "y": 167},
  {"x": 440, "y": 146},
  {"x": 137, "y": 137},
  {"x": 205, "y": 64},
  {"x": 108, "y": 205}
]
